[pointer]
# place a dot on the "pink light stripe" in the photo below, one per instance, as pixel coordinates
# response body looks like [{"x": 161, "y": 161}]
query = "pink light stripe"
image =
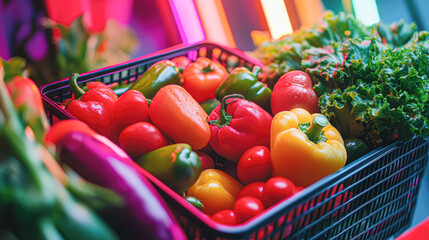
[{"x": 187, "y": 20}]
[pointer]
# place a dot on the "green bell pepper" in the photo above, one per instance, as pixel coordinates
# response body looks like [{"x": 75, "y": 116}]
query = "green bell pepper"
[
  {"x": 160, "y": 74},
  {"x": 242, "y": 81},
  {"x": 176, "y": 165},
  {"x": 209, "y": 105}
]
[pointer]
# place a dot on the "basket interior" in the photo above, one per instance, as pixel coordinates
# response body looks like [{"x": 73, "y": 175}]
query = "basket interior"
[{"x": 372, "y": 198}]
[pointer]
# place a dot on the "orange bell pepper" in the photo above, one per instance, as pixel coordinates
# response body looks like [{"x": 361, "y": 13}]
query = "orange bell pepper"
[
  {"x": 305, "y": 147},
  {"x": 216, "y": 190}
]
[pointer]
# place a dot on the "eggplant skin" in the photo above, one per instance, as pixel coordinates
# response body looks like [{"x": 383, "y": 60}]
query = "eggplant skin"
[{"x": 144, "y": 214}]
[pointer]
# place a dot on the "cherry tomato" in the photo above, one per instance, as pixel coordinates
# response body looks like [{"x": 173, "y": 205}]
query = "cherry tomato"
[
  {"x": 254, "y": 165},
  {"x": 225, "y": 216},
  {"x": 247, "y": 207},
  {"x": 253, "y": 189},
  {"x": 277, "y": 189},
  {"x": 205, "y": 159},
  {"x": 131, "y": 107},
  {"x": 140, "y": 138}
]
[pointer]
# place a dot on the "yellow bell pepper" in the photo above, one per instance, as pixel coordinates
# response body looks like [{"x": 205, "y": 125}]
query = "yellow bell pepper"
[
  {"x": 216, "y": 190},
  {"x": 303, "y": 153}
]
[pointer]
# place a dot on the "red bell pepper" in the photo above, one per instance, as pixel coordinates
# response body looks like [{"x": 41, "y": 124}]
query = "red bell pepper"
[
  {"x": 92, "y": 107},
  {"x": 237, "y": 125},
  {"x": 294, "y": 90},
  {"x": 26, "y": 98}
]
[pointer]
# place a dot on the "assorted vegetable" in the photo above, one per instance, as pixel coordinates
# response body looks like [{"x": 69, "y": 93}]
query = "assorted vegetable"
[
  {"x": 144, "y": 214},
  {"x": 232, "y": 142},
  {"x": 372, "y": 81}
]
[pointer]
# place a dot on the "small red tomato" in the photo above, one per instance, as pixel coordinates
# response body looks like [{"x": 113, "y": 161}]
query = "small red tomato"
[
  {"x": 225, "y": 216},
  {"x": 205, "y": 159},
  {"x": 253, "y": 189},
  {"x": 277, "y": 189},
  {"x": 254, "y": 165},
  {"x": 141, "y": 138},
  {"x": 247, "y": 207}
]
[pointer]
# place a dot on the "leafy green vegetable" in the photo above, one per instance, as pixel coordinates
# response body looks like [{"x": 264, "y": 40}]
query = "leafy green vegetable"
[
  {"x": 375, "y": 94},
  {"x": 372, "y": 82}
]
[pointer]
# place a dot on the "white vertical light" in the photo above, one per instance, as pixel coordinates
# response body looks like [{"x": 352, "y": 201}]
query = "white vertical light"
[
  {"x": 277, "y": 18},
  {"x": 366, "y": 11}
]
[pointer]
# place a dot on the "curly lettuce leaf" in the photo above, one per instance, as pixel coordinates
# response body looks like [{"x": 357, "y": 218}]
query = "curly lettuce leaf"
[{"x": 384, "y": 92}]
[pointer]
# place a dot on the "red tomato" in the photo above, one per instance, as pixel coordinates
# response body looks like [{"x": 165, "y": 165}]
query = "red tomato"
[
  {"x": 247, "y": 207},
  {"x": 140, "y": 138},
  {"x": 277, "y": 189},
  {"x": 225, "y": 216},
  {"x": 205, "y": 159},
  {"x": 253, "y": 189},
  {"x": 130, "y": 108},
  {"x": 254, "y": 165}
]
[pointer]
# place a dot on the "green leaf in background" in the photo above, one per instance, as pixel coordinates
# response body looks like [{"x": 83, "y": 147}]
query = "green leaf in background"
[{"x": 13, "y": 67}]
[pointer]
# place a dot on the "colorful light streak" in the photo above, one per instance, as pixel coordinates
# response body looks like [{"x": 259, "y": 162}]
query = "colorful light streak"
[
  {"x": 366, "y": 11},
  {"x": 215, "y": 22},
  {"x": 277, "y": 18},
  {"x": 187, "y": 21}
]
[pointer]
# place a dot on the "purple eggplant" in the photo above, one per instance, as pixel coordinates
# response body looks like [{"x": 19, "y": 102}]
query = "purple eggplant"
[{"x": 144, "y": 214}]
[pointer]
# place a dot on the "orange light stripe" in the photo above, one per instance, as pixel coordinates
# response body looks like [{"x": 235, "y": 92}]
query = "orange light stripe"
[
  {"x": 214, "y": 21},
  {"x": 277, "y": 18}
]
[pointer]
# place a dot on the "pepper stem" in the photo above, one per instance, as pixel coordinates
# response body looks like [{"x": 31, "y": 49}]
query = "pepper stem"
[
  {"x": 225, "y": 118},
  {"x": 77, "y": 91},
  {"x": 314, "y": 132},
  {"x": 208, "y": 69}
]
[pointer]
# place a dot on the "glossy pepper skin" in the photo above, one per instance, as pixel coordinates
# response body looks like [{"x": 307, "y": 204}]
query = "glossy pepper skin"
[
  {"x": 92, "y": 107},
  {"x": 203, "y": 77},
  {"x": 244, "y": 82},
  {"x": 176, "y": 165},
  {"x": 26, "y": 98},
  {"x": 160, "y": 74},
  {"x": 236, "y": 125},
  {"x": 216, "y": 190},
  {"x": 176, "y": 113},
  {"x": 305, "y": 156},
  {"x": 294, "y": 90}
]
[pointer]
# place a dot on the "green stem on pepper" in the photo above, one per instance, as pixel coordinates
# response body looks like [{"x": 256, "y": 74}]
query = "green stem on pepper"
[
  {"x": 315, "y": 131},
  {"x": 77, "y": 91},
  {"x": 225, "y": 118}
]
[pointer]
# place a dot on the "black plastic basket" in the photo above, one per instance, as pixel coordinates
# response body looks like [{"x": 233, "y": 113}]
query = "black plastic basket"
[{"x": 371, "y": 198}]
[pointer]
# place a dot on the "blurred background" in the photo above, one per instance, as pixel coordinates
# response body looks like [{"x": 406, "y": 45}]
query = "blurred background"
[{"x": 83, "y": 35}]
